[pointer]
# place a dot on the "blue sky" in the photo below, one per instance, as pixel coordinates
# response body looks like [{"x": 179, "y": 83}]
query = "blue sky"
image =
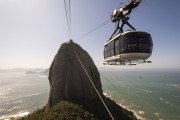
[{"x": 31, "y": 31}]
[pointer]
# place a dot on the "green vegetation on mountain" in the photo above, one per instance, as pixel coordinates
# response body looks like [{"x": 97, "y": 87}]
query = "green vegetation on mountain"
[{"x": 62, "y": 111}]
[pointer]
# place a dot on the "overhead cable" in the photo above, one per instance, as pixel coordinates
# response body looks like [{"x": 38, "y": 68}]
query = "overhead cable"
[
  {"x": 94, "y": 29},
  {"x": 68, "y": 16},
  {"x": 92, "y": 83}
]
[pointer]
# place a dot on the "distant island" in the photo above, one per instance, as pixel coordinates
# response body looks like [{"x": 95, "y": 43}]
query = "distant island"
[
  {"x": 31, "y": 72},
  {"x": 43, "y": 72}
]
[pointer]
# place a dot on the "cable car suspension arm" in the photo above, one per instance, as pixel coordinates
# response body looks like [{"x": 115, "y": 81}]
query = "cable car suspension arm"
[{"x": 122, "y": 15}]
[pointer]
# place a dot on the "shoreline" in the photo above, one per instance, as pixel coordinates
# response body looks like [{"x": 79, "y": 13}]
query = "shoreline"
[
  {"x": 19, "y": 115},
  {"x": 15, "y": 116},
  {"x": 135, "y": 112}
]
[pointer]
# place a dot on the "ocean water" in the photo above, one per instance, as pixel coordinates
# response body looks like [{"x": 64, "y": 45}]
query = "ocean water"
[
  {"x": 21, "y": 93},
  {"x": 150, "y": 94}
]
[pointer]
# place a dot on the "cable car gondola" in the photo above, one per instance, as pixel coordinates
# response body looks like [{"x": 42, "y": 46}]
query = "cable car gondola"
[{"x": 130, "y": 46}]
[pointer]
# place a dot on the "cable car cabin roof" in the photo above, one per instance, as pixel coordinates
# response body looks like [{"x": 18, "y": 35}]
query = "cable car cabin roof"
[{"x": 124, "y": 34}]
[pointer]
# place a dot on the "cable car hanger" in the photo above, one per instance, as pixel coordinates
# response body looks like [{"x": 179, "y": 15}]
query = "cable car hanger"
[{"x": 123, "y": 14}]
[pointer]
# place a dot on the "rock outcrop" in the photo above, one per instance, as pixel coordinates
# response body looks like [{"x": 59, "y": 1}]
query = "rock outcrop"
[{"x": 69, "y": 82}]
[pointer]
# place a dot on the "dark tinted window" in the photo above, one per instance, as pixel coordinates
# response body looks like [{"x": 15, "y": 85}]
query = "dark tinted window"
[
  {"x": 130, "y": 37},
  {"x": 150, "y": 39},
  {"x": 117, "y": 42},
  {"x": 145, "y": 43},
  {"x": 122, "y": 44},
  {"x": 132, "y": 48},
  {"x": 121, "y": 40},
  {"x": 150, "y": 48},
  {"x": 116, "y": 46},
  {"x": 143, "y": 38},
  {"x": 122, "y": 48},
  {"x": 109, "y": 49},
  {"x": 143, "y": 48},
  {"x": 112, "y": 48}
]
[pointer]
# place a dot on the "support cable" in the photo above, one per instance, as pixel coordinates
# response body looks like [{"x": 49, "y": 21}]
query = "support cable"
[
  {"x": 94, "y": 29},
  {"x": 67, "y": 20},
  {"x": 142, "y": 4},
  {"x": 70, "y": 16},
  {"x": 93, "y": 84}
]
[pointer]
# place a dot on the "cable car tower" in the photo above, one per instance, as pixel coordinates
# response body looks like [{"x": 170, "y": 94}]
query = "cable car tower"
[{"x": 129, "y": 47}]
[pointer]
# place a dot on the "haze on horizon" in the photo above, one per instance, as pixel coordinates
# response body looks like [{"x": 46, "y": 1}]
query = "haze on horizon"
[{"x": 31, "y": 31}]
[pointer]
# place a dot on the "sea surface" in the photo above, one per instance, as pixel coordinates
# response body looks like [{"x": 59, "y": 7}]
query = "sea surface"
[
  {"x": 150, "y": 94},
  {"x": 21, "y": 93}
]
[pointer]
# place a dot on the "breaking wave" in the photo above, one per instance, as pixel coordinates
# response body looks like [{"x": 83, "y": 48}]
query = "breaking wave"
[{"x": 15, "y": 116}]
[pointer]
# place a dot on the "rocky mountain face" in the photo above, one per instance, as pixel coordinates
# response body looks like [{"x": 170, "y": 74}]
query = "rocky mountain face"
[{"x": 69, "y": 82}]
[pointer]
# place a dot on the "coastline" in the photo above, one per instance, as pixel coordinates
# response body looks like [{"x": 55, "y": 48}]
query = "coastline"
[
  {"x": 19, "y": 115},
  {"x": 135, "y": 112},
  {"x": 15, "y": 116}
]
